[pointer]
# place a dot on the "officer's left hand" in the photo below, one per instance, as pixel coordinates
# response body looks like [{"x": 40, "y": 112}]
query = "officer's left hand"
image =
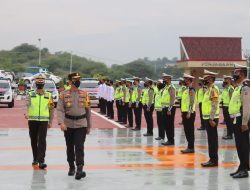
[
  {"x": 212, "y": 123},
  {"x": 49, "y": 125},
  {"x": 88, "y": 130},
  {"x": 188, "y": 115},
  {"x": 148, "y": 109},
  {"x": 244, "y": 128}
]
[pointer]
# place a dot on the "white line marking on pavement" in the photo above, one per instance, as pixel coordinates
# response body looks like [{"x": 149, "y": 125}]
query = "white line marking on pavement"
[{"x": 110, "y": 121}]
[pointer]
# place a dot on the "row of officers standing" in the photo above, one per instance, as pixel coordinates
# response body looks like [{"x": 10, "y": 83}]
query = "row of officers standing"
[{"x": 161, "y": 97}]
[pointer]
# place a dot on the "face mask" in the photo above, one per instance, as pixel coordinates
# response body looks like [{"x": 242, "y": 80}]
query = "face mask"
[
  {"x": 76, "y": 83},
  {"x": 205, "y": 82},
  {"x": 145, "y": 85},
  {"x": 39, "y": 86},
  {"x": 184, "y": 83},
  {"x": 164, "y": 82},
  {"x": 236, "y": 77},
  {"x": 224, "y": 83}
]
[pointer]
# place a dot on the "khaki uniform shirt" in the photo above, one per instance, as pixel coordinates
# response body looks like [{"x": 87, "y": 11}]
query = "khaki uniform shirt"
[
  {"x": 74, "y": 103},
  {"x": 245, "y": 99}
]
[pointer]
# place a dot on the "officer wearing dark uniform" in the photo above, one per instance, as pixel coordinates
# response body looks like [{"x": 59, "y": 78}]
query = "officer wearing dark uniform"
[
  {"x": 188, "y": 112},
  {"x": 136, "y": 103},
  {"x": 210, "y": 114},
  {"x": 148, "y": 106},
  {"x": 74, "y": 118},
  {"x": 199, "y": 99},
  {"x": 226, "y": 97},
  {"x": 239, "y": 110},
  {"x": 168, "y": 108},
  {"x": 40, "y": 108},
  {"x": 128, "y": 104},
  {"x": 123, "y": 105}
]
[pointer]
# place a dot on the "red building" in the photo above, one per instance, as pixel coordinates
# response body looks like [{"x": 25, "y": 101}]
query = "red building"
[{"x": 218, "y": 54}]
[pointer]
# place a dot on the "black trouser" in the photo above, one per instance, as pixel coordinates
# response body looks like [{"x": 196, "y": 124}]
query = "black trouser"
[
  {"x": 104, "y": 106},
  {"x": 100, "y": 104},
  {"x": 201, "y": 118},
  {"x": 168, "y": 122},
  {"x": 189, "y": 128},
  {"x": 118, "y": 107},
  {"x": 137, "y": 112},
  {"x": 129, "y": 115},
  {"x": 149, "y": 118},
  {"x": 75, "y": 138},
  {"x": 38, "y": 134},
  {"x": 212, "y": 137},
  {"x": 123, "y": 113},
  {"x": 110, "y": 109},
  {"x": 228, "y": 121},
  {"x": 242, "y": 144},
  {"x": 161, "y": 131}
]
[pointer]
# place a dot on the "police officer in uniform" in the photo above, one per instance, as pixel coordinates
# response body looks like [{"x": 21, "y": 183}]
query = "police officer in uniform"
[
  {"x": 199, "y": 98},
  {"x": 118, "y": 100},
  {"x": 239, "y": 110},
  {"x": 74, "y": 118},
  {"x": 128, "y": 104},
  {"x": 210, "y": 114},
  {"x": 181, "y": 89},
  {"x": 123, "y": 105},
  {"x": 40, "y": 108},
  {"x": 168, "y": 108},
  {"x": 136, "y": 103},
  {"x": 148, "y": 106},
  {"x": 188, "y": 112},
  {"x": 226, "y": 97},
  {"x": 158, "y": 109}
]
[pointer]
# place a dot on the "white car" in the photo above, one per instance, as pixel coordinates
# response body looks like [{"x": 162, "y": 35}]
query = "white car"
[
  {"x": 6, "y": 75},
  {"x": 91, "y": 87},
  {"x": 6, "y": 93},
  {"x": 29, "y": 79},
  {"x": 51, "y": 87}
]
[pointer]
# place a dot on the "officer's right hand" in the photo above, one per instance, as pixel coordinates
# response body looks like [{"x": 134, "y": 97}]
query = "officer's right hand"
[
  {"x": 169, "y": 113},
  {"x": 63, "y": 127}
]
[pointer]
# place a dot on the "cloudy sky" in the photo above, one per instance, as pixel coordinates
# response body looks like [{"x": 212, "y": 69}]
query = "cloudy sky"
[{"x": 119, "y": 31}]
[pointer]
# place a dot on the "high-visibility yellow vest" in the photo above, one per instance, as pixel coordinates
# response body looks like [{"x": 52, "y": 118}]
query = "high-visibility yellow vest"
[
  {"x": 158, "y": 106},
  {"x": 235, "y": 102},
  {"x": 39, "y": 106},
  {"x": 127, "y": 100},
  {"x": 226, "y": 96},
  {"x": 200, "y": 95},
  {"x": 155, "y": 89},
  {"x": 165, "y": 98},
  {"x": 145, "y": 97},
  {"x": 207, "y": 104},
  {"x": 135, "y": 94},
  {"x": 180, "y": 91},
  {"x": 185, "y": 103},
  {"x": 67, "y": 87},
  {"x": 118, "y": 93}
]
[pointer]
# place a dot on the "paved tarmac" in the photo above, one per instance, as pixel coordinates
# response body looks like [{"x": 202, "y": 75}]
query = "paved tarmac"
[{"x": 116, "y": 159}]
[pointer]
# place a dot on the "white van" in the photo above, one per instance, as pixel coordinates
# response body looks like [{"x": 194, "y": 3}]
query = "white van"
[{"x": 6, "y": 94}]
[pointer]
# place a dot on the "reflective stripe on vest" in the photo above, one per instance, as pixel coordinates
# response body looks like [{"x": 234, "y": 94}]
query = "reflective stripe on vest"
[
  {"x": 185, "y": 103},
  {"x": 207, "y": 104},
  {"x": 39, "y": 106},
  {"x": 165, "y": 98},
  {"x": 158, "y": 106},
  {"x": 235, "y": 102},
  {"x": 226, "y": 96}
]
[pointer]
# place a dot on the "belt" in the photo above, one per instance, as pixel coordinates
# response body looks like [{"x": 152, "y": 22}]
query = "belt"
[
  {"x": 235, "y": 115},
  {"x": 75, "y": 117}
]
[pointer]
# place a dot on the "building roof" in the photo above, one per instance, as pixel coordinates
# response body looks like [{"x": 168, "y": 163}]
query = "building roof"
[{"x": 211, "y": 48}]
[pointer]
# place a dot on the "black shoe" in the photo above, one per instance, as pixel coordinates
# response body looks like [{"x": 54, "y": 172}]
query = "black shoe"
[
  {"x": 158, "y": 138},
  {"x": 80, "y": 175},
  {"x": 180, "y": 123},
  {"x": 72, "y": 171},
  {"x": 201, "y": 129},
  {"x": 241, "y": 174},
  {"x": 42, "y": 165},
  {"x": 148, "y": 134},
  {"x": 35, "y": 162},
  {"x": 168, "y": 143},
  {"x": 118, "y": 121},
  {"x": 227, "y": 137},
  {"x": 232, "y": 174},
  {"x": 187, "y": 151},
  {"x": 128, "y": 126},
  {"x": 136, "y": 129},
  {"x": 209, "y": 164}
]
